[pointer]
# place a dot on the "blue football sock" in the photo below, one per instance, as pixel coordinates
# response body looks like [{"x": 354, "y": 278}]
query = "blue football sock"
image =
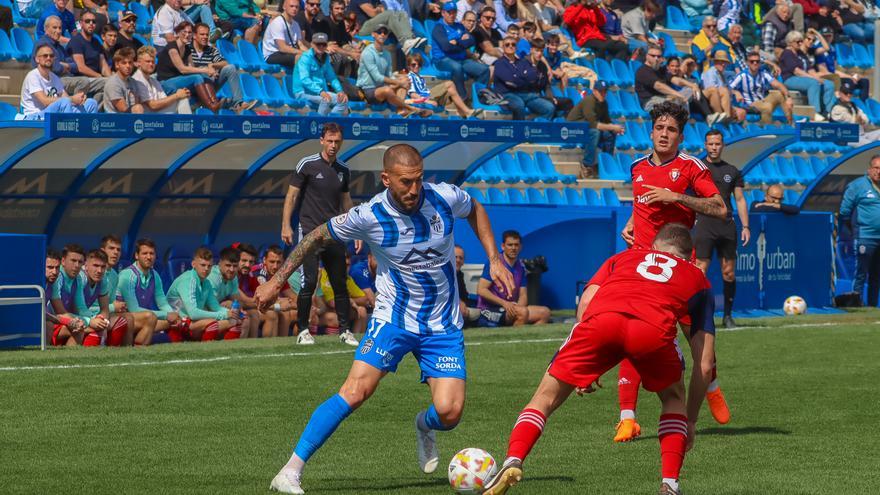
[
  {"x": 432, "y": 420},
  {"x": 322, "y": 424}
]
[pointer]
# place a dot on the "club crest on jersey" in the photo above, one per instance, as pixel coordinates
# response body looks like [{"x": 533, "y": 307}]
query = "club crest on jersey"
[
  {"x": 437, "y": 224},
  {"x": 340, "y": 175},
  {"x": 339, "y": 220},
  {"x": 674, "y": 174}
]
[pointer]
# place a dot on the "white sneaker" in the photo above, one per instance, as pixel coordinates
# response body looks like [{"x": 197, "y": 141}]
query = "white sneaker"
[
  {"x": 286, "y": 481},
  {"x": 413, "y": 43},
  {"x": 305, "y": 338},
  {"x": 347, "y": 337},
  {"x": 429, "y": 458}
]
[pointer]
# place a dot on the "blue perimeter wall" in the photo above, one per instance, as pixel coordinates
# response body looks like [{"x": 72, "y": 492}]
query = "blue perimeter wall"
[
  {"x": 788, "y": 255},
  {"x": 20, "y": 324}
]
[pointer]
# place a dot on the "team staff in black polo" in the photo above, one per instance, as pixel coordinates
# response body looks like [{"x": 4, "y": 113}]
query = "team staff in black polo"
[
  {"x": 711, "y": 234},
  {"x": 319, "y": 189}
]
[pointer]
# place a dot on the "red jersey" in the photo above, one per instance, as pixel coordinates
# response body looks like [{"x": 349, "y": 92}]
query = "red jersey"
[
  {"x": 655, "y": 287},
  {"x": 683, "y": 174},
  {"x": 258, "y": 276}
]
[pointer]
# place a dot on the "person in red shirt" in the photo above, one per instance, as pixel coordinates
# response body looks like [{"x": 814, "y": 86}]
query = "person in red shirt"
[
  {"x": 661, "y": 182},
  {"x": 585, "y": 20},
  {"x": 635, "y": 301}
]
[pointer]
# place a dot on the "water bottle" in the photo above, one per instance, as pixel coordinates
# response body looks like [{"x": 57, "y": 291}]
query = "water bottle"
[{"x": 236, "y": 307}]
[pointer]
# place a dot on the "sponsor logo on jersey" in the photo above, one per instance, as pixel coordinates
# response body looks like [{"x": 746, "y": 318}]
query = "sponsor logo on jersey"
[
  {"x": 639, "y": 178},
  {"x": 419, "y": 259},
  {"x": 368, "y": 345},
  {"x": 319, "y": 176},
  {"x": 727, "y": 178},
  {"x": 674, "y": 174}
]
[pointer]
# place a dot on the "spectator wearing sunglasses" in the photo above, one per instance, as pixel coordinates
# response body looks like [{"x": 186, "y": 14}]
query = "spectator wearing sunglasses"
[
  {"x": 125, "y": 37},
  {"x": 516, "y": 80},
  {"x": 450, "y": 52},
  {"x": 376, "y": 81},
  {"x": 486, "y": 38},
  {"x": 773, "y": 202},
  {"x": 315, "y": 81}
]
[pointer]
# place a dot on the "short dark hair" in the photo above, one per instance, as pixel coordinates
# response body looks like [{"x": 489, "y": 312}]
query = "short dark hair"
[
  {"x": 246, "y": 248},
  {"x": 331, "y": 128},
  {"x": 72, "y": 248},
  {"x": 401, "y": 154},
  {"x": 485, "y": 9},
  {"x": 203, "y": 253},
  {"x": 180, "y": 27},
  {"x": 530, "y": 26},
  {"x": 714, "y": 132},
  {"x": 201, "y": 25},
  {"x": 274, "y": 249},
  {"x": 97, "y": 253},
  {"x": 676, "y": 235},
  {"x": 53, "y": 254},
  {"x": 123, "y": 54},
  {"x": 109, "y": 28},
  {"x": 672, "y": 59},
  {"x": 337, "y": 1},
  {"x": 672, "y": 109},
  {"x": 107, "y": 239},
  {"x": 510, "y": 233},
  {"x": 538, "y": 43},
  {"x": 230, "y": 254},
  {"x": 143, "y": 242},
  {"x": 553, "y": 39}
]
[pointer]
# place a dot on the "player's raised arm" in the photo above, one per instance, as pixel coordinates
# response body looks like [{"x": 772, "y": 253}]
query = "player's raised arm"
[
  {"x": 267, "y": 292},
  {"x": 479, "y": 221}
]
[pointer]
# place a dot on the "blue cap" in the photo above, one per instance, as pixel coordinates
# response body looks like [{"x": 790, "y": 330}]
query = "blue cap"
[
  {"x": 449, "y": 6},
  {"x": 600, "y": 85}
]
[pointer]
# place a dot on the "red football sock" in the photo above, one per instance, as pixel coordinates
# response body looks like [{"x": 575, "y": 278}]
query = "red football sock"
[
  {"x": 233, "y": 333},
  {"x": 673, "y": 439},
  {"x": 526, "y": 432},
  {"x": 175, "y": 334},
  {"x": 210, "y": 332},
  {"x": 628, "y": 383},
  {"x": 117, "y": 333}
]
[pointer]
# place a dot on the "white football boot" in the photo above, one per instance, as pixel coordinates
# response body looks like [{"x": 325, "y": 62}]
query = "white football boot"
[
  {"x": 429, "y": 458},
  {"x": 305, "y": 338},
  {"x": 286, "y": 481},
  {"x": 347, "y": 337}
]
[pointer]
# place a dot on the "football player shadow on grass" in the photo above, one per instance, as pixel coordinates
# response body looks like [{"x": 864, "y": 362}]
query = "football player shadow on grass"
[
  {"x": 364, "y": 488},
  {"x": 735, "y": 431}
]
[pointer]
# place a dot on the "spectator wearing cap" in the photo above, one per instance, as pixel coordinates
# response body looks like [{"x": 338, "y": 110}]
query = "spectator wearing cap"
[
  {"x": 376, "y": 81},
  {"x": 797, "y": 74},
  {"x": 282, "y": 41},
  {"x": 845, "y": 112},
  {"x": 125, "y": 37},
  {"x": 58, "y": 8},
  {"x": 593, "y": 109},
  {"x": 371, "y": 14},
  {"x": 825, "y": 58},
  {"x": 751, "y": 89},
  {"x": 586, "y": 20},
  {"x": 450, "y": 52},
  {"x": 205, "y": 55},
  {"x": 149, "y": 89},
  {"x": 315, "y": 81},
  {"x": 707, "y": 40},
  {"x": 715, "y": 87},
  {"x": 516, "y": 80},
  {"x": 43, "y": 92},
  {"x": 635, "y": 25},
  {"x": 777, "y": 24}
]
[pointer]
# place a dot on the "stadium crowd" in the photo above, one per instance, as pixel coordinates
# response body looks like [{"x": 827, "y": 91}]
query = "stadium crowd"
[
  {"x": 521, "y": 53},
  {"x": 95, "y": 299}
]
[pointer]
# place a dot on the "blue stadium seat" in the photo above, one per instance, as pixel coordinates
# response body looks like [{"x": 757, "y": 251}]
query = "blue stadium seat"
[
  {"x": 530, "y": 172},
  {"x": 7, "y": 50},
  {"x": 557, "y": 92},
  {"x": 610, "y": 197},
  {"x": 497, "y": 196},
  {"x": 230, "y": 53},
  {"x": 515, "y": 197},
  {"x": 631, "y": 106},
  {"x": 845, "y": 56},
  {"x": 114, "y": 10},
  {"x": 7, "y": 111},
  {"x": 554, "y": 197},
  {"x": 253, "y": 60},
  {"x": 275, "y": 92},
  {"x": 786, "y": 170},
  {"x": 863, "y": 106},
  {"x": 669, "y": 49},
  {"x": 676, "y": 19},
  {"x": 819, "y": 164},
  {"x": 23, "y": 44},
  {"x": 757, "y": 195},
  {"x": 17, "y": 18},
  {"x": 573, "y": 197},
  {"x": 624, "y": 76},
  {"x": 615, "y": 106},
  {"x": 251, "y": 88},
  {"x": 475, "y": 90},
  {"x": 755, "y": 176},
  {"x": 203, "y": 111},
  {"x": 606, "y": 73},
  {"x": 609, "y": 168},
  {"x": 692, "y": 142},
  {"x": 634, "y": 66},
  {"x": 573, "y": 94},
  {"x": 143, "y": 17},
  {"x": 535, "y": 196},
  {"x": 641, "y": 139},
  {"x": 492, "y": 172},
  {"x": 510, "y": 168},
  {"x": 429, "y": 70},
  {"x": 791, "y": 196},
  {"x": 592, "y": 198},
  {"x": 701, "y": 128},
  {"x": 802, "y": 167},
  {"x": 624, "y": 142},
  {"x": 476, "y": 194},
  {"x": 226, "y": 111},
  {"x": 862, "y": 57},
  {"x": 545, "y": 165},
  {"x": 874, "y": 106}
]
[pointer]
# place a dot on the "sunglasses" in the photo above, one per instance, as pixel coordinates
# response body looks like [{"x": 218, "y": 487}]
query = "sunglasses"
[
  {"x": 382, "y": 31},
  {"x": 489, "y": 17},
  {"x": 89, "y": 21},
  {"x": 324, "y": 45},
  {"x": 46, "y": 55},
  {"x": 774, "y": 198},
  {"x": 508, "y": 45},
  {"x": 415, "y": 65},
  {"x": 754, "y": 61},
  {"x": 711, "y": 25},
  {"x": 310, "y": 4},
  {"x": 127, "y": 20}
]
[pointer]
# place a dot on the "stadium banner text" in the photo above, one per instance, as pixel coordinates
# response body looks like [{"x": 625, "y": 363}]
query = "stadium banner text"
[
  {"x": 309, "y": 127},
  {"x": 838, "y": 133}
]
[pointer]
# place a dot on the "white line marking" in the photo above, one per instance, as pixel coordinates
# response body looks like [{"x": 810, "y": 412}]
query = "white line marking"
[{"x": 348, "y": 351}]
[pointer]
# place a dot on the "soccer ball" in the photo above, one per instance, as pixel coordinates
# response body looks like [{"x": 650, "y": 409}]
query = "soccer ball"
[
  {"x": 470, "y": 469},
  {"x": 795, "y": 305}
]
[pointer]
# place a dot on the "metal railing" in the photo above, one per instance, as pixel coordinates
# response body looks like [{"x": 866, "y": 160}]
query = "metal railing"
[{"x": 11, "y": 301}]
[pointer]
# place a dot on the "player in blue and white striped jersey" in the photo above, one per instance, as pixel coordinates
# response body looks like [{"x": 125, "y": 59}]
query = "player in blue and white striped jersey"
[{"x": 408, "y": 228}]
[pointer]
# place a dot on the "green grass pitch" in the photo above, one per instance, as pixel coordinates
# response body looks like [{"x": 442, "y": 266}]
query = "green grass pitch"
[{"x": 222, "y": 417}]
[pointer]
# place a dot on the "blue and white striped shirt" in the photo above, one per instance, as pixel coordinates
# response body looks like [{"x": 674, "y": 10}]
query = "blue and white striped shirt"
[
  {"x": 418, "y": 85},
  {"x": 415, "y": 278},
  {"x": 753, "y": 88}
]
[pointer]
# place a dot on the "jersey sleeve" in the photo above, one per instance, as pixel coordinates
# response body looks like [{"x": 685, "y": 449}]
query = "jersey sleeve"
[
  {"x": 79, "y": 299},
  {"x": 701, "y": 309},
  {"x": 353, "y": 290},
  {"x": 346, "y": 179},
  {"x": 299, "y": 178},
  {"x": 701, "y": 181},
  {"x": 486, "y": 275},
  {"x": 125, "y": 287},
  {"x": 352, "y": 225},
  {"x": 459, "y": 201},
  {"x": 738, "y": 181},
  {"x": 161, "y": 300},
  {"x": 603, "y": 272},
  {"x": 211, "y": 302}
]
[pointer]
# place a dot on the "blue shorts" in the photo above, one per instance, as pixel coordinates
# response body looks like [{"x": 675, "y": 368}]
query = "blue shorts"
[{"x": 439, "y": 355}]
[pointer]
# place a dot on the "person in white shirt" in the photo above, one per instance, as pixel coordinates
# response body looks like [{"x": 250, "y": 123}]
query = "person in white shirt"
[
  {"x": 149, "y": 91},
  {"x": 845, "y": 112},
  {"x": 166, "y": 18},
  {"x": 282, "y": 41},
  {"x": 43, "y": 92}
]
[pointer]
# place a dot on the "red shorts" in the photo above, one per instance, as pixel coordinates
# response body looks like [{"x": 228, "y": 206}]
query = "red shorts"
[
  {"x": 56, "y": 329},
  {"x": 599, "y": 343}
]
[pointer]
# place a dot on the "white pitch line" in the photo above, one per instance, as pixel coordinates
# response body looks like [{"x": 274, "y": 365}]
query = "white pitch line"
[{"x": 348, "y": 351}]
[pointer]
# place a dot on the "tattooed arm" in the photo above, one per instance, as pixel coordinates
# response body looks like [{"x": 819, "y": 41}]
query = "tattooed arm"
[
  {"x": 267, "y": 293},
  {"x": 712, "y": 206}
]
